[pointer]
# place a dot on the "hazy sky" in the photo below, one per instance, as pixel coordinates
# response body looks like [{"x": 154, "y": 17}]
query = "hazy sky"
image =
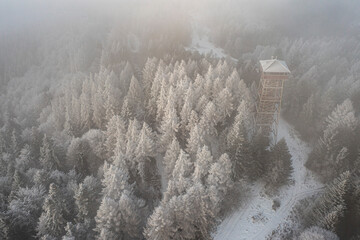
[{"x": 321, "y": 15}]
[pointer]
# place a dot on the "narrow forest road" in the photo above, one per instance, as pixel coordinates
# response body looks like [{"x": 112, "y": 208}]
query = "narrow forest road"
[
  {"x": 255, "y": 219},
  {"x": 200, "y": 41}
]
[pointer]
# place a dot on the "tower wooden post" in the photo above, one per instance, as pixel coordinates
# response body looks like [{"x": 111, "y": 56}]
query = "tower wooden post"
[{"x": 270, "y": 90}]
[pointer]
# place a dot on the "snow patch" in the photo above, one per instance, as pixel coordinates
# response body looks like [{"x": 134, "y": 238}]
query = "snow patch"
[{"x": 201, "y": 43}]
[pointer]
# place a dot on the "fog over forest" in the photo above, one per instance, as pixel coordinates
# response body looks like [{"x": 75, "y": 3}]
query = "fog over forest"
[{"x": 139, "y": 119}]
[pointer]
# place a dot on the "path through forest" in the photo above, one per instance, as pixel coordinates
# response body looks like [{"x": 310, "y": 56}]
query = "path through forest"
[
  {"x": 201, "y": 42},
  {"x": 255, "y": 218}
]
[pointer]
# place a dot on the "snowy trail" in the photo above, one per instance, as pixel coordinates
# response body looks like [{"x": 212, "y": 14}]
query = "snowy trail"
[
  {"x": 256, "y": 219},
  {"x": 201, "y": 43}
]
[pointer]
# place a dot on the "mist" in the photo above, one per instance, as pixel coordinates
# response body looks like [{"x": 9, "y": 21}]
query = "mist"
[{"x": 169, "y": 119}]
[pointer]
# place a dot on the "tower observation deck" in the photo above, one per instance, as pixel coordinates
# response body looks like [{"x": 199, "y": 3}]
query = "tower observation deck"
[{"x": 269, "y": 95}]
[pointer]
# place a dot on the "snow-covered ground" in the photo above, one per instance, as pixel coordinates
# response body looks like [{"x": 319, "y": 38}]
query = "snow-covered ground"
[
  {"x": 256, "y": 219},
  {"x": 200, "y": 40}
]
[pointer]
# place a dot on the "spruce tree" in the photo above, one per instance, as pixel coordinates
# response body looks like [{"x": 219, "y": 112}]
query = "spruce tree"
[
  {"x": 330, "y": 205},
  {"x": 193, "y": 120},
  {"x": 118, "y": 215},
  {"x": 209, "y": 120},
  {"x": 82, "y": 202},
  {"x": 259, "y": 154},
  {"x": 14, "y": 144},
  {"x": 51, "y": 221},
  {"x": 97, "y": 103},
  {"x": 331, "y": 219},
  {"x": 4, "y": 229},
  {"x": 132, "y": 138},
  {"x": 160, "y": 224},
  {"x": 115, "y": 136},
  {"x": 145, "y": 150},
  {"x": 126, "y": 112},
  {"x": 203, "y": 162},
  {"x": 279, "y": 167},
  {"x": 220, "y": 175},
  {"x": 184, "y": 167},
  {"x": 316, "y": 233},
  {"x": 224, "y": 105},
  {"x": 171, "y": 155},
  {"x": 236, "y": 134},
  {"x": 15, "y": 186},
  {"x": 195, "y": 141},
  {"x": 135, "y": 98},
  {"x": 339, "y": 132},
  {"x": 48, "y": 158},
  {"x": 85, "y": 106},
  {"x": 243, "y": 160},
  {"x": 169, "y": 126},
  {"x": 24, "y": 211},
  {"x": 149, "y": 72},
  {"x": 187, "y": 108}
]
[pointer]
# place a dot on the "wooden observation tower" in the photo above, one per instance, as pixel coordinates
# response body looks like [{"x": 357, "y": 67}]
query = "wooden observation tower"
[{"x": 273, "y": 74}]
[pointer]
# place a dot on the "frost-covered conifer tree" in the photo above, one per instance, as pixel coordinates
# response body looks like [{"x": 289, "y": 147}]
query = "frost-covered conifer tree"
[
  {"x": 48, "y": 158},
  {"x": 118, "y": 215},
  {"x": 97, "y": 103},
  {"x": 87, "y": 199},
  {"x": 329, "y": 207},
  {"x": 204, "y": 161},
  {"x": 236, "y": 133},
  {"x": 156, "y": 86},
  {"x": 171, "y": 155},
  {"x": 201, "y": 104},
  {"x": 187, "y": 107},
  {"x": 85, "y": 106},
  {"x": 15, "y": 185},
  {"x": 149, "y": 72},
  {"x": 231, "y": 82},
  {"x": 193, "y": 120},
  {"x": 329, "y": 157},
  {"x": 342, "y": 117},
  {"x": 24, "y": 160},
  {"x": 24, "y": 211},
  {"x": 4, "y": 230},
  {"x": 51, "y": 221},
  {"x": 132, "y": 138},
  {"x": 145, "y": 150},
  {"x": 14, "y": 144},
  {"x": 169, "y": 125},
  {"x": 209, "y": 120},
  {"x": 160, "y": 224},
  {"x": 135, "y": 98},
  {"x": 184, "y": 167},
  {"x": 115, "y": 136},
  {"x": 195, "y": 141},
  {"x": 112, "y": 96},
  {"x": 220, "y": 175},
  {"x": 224, "y": 105},
  {"x": 316, "y": 233}
]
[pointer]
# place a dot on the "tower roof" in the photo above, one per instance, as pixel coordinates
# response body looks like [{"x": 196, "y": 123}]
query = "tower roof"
[{"x": 274, "y": 65}]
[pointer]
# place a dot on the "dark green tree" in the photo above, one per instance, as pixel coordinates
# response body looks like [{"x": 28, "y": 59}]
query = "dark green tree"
[{"x": 279, "y": 167}]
